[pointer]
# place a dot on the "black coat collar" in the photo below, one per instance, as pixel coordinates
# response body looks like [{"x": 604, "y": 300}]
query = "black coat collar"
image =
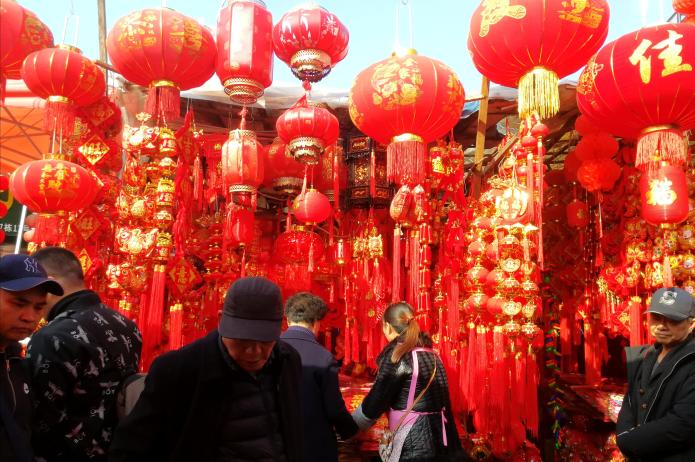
[
  {"x": 300, "y": 333},
  {"x": 75, "y": 301}
]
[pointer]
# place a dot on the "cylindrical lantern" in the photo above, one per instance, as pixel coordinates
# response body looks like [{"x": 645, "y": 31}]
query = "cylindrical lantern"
[
  {"x": 242, "y": 162},
  {"x": 406, "y": 102},
  {"x": 577, "y": 214},
  {"x": 164, "y": 50},
  {"x": 642, "y": 86},
  {"x": 21, "y": 33},
  {"x": 664, "y": 195},
  {"x": 539, "y": 42},
  {"x": 307, "y": 130},
  {"x": 245, "y": 49},
  {"x": 242, "y": 227},
  {"x": 312, "y": 207},
  {"x": 311, "y": 41},
  {"x": 367, "y": 184}
]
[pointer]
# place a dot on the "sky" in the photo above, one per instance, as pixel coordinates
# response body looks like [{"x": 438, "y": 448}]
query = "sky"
[{"x": 439, "y": 28}]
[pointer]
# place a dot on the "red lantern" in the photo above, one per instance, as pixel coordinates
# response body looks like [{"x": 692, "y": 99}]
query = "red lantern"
[
  {"x": 641, "y": 85},
  {"x": 299, "y": 246},
  {"x": 311, "y": 207},
  {"x": 407, "y": 101},
  {"x": 686, "y": 7},
  {"x": 538, "y": 42},
  {"x": 242, "y": 230},
  {"x": 577, "y": 214},
  {"x": 242, "y": 162},
  {"x": 284, "y": 171},
  {"x": 596, "y": 175},
  {"x": 65, "y": 79},
  {"x": 164, "y": 50},
  {"x": 307, "y": 130},
  {"x": 245, "y": 50},
  {"x": 330, "y": 174},
  {"x": 311, "y": 41},
  {"x": 664, "y": 195},
  {"x": 596, "y": 146},
  {"x": 571, "y": 166},
  {"x": 21, "y": 33}
]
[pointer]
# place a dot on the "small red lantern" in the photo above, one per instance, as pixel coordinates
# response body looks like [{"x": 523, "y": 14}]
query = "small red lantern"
[
  {"x": 311, "y": 41},
  {"x": 242, "y": 162},
  {"x": 406, "y": 102},
  {"x": 21, "y": 33},
  {"x": 66, "y": 79},
  {"x": 299, "y": 246},
  {"x": 164, "y": 50},
  {"x": 664, "y": 195},
  {"x": 307, "y": 130},
  {"x": 641, "y": 86},
  {"x": 245, "y": 50},
  {"x": 538, "y": 42},
  {"x": 312, "y": 207},
  {"x": 577, "y": 214},
  {"x": 282, "y": 169},
  {"x": 242, "y": 227}
]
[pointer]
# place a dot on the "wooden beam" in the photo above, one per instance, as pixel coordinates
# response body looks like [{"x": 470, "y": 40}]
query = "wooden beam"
[
  {"x": 101, "y": 11},
  {"x": 480, "y": 137}
]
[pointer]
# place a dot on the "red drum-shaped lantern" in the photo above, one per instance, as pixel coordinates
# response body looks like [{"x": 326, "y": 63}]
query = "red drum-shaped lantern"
[
  {"x": 577, "y": 214},
  {"x": 53, "y": 185},
  {"x": 164, "y": 50},
  {"x": 242, "y": 162},
  {"x": 406, "y": 102},
  {"x": 686, "y": 7},
  {"x": 242, "y": 226},
  {"x": 664, "y": 195},
  {"x": 299, "y": 246},
  {"x": 642, "y": 86},
  {"x": 66, "y": 79},
  {"x": 245, "y": 49},
  {"x": 21, "y": 33},
  {"x": 312, "y": 207},
  {"x": 311, "y": 41},
  {"x": 282, "y": 169},
  {"x": 538, "y": 42},
  {"x": 307, "y": 130}
]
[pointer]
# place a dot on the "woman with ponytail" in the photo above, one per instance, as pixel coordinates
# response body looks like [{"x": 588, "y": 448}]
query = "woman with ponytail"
[{"x": 411, "y": 385}]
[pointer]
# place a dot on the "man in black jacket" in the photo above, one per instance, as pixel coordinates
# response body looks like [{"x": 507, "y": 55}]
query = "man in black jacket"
[
  {"x": 23, "y": 289},
  {"x": 323, "y": 408},
  {"x": 657, "y": 419},
  {"x": 232, "y": 395},
  {"x": 78, "y": 361}
]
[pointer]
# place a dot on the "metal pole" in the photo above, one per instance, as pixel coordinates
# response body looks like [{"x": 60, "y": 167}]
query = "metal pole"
[{"x": 20, "y": 230}]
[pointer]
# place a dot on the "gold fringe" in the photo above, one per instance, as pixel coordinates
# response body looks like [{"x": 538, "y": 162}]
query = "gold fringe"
[
  {"x": 538, "y": 93},
  {"x": 661, "y": 144}
]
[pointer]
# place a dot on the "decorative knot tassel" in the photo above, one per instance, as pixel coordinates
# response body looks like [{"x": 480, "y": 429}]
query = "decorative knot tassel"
[
  {"x": 163, "y": 99},
  {"x": 538, "y": 93},
  {"x": 660, "y": 143}
]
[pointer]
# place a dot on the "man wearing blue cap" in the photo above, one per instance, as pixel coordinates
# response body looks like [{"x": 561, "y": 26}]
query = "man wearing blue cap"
[
  {"x": 24, "y": 286},
  {"x": 657, "y": 419},
  {"x": 232, "y": 395}
]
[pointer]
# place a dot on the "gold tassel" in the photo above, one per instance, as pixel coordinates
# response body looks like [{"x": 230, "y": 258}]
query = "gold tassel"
[
  {"x": 538, "y": 93},
  {"x": 663, "y": 142}
]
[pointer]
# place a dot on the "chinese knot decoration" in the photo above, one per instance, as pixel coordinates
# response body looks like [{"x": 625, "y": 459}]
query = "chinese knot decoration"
[
  {"x": 552, "y": 39},
  {"x": 21, "y": 33},
  {"x": 164, "y": 50},
  {"x": 311, "y": 41},
  {"x": 406, "y": 102},
  {"x": 641, "y": 86},
  {"x": 245, "y": 50}
]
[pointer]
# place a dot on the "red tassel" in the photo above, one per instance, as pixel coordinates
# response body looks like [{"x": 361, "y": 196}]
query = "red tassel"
[
  {"x": 668, "y": 275},
  {"x": 164, "y": 101},
  {"x": 198, "y": 182},
  {"x": 154, "y": 313},
  {"x": 175, "y": 326},
  {"x": 531, "y": 395},
  {"x": 336, "y": 178},
  {"x": 530, "y": 176},
  {"x": 243, "y": 263},
  {"x": 396, "y": 267},
  {"x": 59, "y": 116},
  {"x": 406, "y": 161},
  {"x": 636, "y": 326},
  {"x": 372, "y": 174},
  {"x": 347, "y": 341}
]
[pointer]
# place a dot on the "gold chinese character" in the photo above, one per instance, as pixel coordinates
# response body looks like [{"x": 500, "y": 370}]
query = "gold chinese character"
[
  {"x": 660, "y": 193},
  {"x": 670, "y": 56}
]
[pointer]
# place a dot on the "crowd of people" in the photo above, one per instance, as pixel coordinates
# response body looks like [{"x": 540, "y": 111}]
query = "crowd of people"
[{"x": 250, "y": 392}]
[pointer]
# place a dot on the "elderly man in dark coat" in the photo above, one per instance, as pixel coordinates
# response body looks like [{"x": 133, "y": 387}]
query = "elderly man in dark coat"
[
  {"x": 232, "y": 395},
  {"x": 323, "y": 408},
  {"x": 657, "y": 420}
]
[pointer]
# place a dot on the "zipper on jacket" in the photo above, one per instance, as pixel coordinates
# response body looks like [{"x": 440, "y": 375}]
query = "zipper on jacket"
[
  {"x": 11, "y": 385},
  {"x": 656, "y": 395}
]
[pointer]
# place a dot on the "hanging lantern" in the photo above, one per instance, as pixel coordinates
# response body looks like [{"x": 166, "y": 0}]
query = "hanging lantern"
[
  {"x": 245, "y": 49},
  {"x": 21, "y": 33},
  {"x": 406, "y": 102},
  {"x": 312, "y": 207},
  {"x": 641, "y": 86},
  {"x": 367, "y": 185},
  {"x": 284, "y": 171},
  {"x": 551, "y": 39},
  {"x": 512, "y": 205},
  {"x": 299, "y": 245},
  {"x": 242, "y": 162},
  {"x": 311, "y": 41},
  {"x": 242, "y": 228},
  {"x": 307, "y": 130},
  {"x": 686, "y": 7},
  {"x": 577, "y": 214},
  {"x": 664, "y": 195},
  {"x": 66, "y": 79},
  {"x": 164, "y": 50},
  {"x": 329, "y": 175}
]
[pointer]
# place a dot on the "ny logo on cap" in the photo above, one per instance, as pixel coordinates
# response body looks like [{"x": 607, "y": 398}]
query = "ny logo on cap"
[
  {"x": 31, "y": 265},
  {"x": 668, "y": 297}
]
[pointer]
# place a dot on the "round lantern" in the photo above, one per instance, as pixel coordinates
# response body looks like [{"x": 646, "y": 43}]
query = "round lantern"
[
  {"x": 312, "y": 207},
  {"x": 307, "y": 130},
  {"x": 284, "y": 171},
  {"x": 299, "y": 245},
  {"x": 577, "y": 214},
  {"x": 311, "y": 41},
  {"x": 164, "y": 50},
  {"x": 66, "y": 79},
  {"x": 551, "y": 39},
  {"x": 641, "y": 86},
  {"x": 405, "y": 102},
  {"x": 664, "y": 195},
  {"x": 242, "y": 162},
  {"x": 686, "y": 7},
  {"x": 245, "y": 49},
  {"x": 21, "y": 33}
]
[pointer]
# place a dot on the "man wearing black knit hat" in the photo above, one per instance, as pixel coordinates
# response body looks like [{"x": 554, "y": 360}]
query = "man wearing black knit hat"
[{"x": 232, "y": 395}]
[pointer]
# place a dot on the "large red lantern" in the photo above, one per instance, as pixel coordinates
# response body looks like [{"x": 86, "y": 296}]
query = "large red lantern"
[
  {"x": 245, "y": 50},
  {"x": 531, "y": 45},
  {"x": 242, "y": 162},
  {"x": 406, "y": 102},
  {"x": 21, "y": 33},
  {"x": 66, "y": 79},
  {"x": 307, "y": 130},
  {"x": 642, "y": 86},
  {"x": 312, "y": 207},
  {"x": 664, "y": 195},
  {"x": 311, "y": 41},
  {"x": 164, "y": 50}
]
